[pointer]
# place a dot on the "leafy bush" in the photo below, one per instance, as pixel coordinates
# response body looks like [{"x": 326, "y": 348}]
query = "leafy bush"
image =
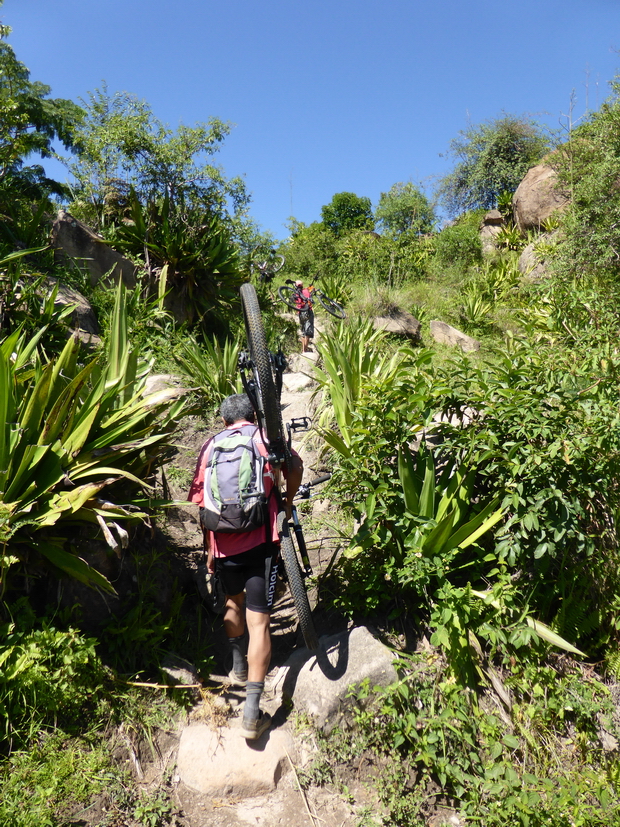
[
  {"x": 459, "y": 244},
  {"x": 538, "y": 763},
  {"x": 49, "y": 677}
]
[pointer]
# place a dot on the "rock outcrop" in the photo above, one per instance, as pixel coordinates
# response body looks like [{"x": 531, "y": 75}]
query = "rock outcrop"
[
  {"x": 75, "y": 241},
  {"x": 448, "y": 335},
  {"x": 537, "y": 197},
  {"x": 490, "y": 228},
  {"x": 399, "y": 322}
]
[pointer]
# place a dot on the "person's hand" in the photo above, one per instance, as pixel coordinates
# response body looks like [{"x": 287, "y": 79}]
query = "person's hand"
[{"x": 210, "y": 563}]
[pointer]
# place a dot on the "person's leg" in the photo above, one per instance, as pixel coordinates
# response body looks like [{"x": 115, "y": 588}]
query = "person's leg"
[
  {"x": 255, "y": 722},
  {"x": 259, "y": 649},
  {"x": 234, "y": 626}
]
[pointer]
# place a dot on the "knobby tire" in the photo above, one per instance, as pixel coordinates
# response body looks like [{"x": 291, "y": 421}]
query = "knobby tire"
[
  {"x": 331, "y": 306},
  {"x": 259, "y": 354},
  {"x": 286, "y": 294},
  {"x": 296, "y": 583}
]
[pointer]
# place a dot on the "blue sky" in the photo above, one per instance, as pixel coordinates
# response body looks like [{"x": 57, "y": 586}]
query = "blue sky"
[{"x": 327, "y": 96}]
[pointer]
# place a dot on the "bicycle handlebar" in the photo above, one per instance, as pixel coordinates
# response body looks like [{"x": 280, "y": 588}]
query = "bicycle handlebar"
[{"x": 304, "y": 489}]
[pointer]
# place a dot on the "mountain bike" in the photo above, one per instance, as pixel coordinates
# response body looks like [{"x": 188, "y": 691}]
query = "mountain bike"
[
  {"x": 261, "y": 375},
  {"x": 292, "y": 296},
  {"x": 268, "y": 267}
]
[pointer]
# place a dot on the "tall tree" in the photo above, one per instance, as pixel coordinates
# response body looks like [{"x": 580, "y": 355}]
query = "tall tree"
[
  {"x": 492, "y": 158},
  {"x": 122, "y": 145},
  {"x": 404, "y": 208},
  {"x": 30, "y": 122},
  {"x": 347, "y": 211}
]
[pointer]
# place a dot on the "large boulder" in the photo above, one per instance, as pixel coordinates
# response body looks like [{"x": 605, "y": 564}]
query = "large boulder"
[
  {"x": 533, "y": 260},
  {"x": 537, "y": 197},
  {"x": 448, "y": 335},
  {"x": 399, "y": 322},
  {"x": 222, "y": 763},
  {"x": 318, "y": 683},
  {"x": 76, "y": 242}
]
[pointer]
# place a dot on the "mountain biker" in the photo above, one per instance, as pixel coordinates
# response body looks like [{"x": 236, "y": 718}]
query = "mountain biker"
[
  {"x": 247, "y": 566},
  {"x": 303, "y": 302}
]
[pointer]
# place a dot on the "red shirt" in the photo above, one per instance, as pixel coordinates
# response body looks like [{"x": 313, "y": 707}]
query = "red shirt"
[
  {"x": 304, "y": 303},
  {"x": 225, "y": 545}
]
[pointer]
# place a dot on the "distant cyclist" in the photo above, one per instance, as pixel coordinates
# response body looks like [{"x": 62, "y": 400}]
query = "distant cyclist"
[{"x": 303, "y": 302}]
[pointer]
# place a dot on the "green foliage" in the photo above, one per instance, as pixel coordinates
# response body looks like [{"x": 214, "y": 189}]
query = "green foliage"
[
  {"x": 189, "y": 257},
  {"x": 492, "y": 158},
  {"x": 68, "y": 433},
  {"x": 546, "y": 435},
  {"x": 587, "y": 166},
  {"x": 350, "y": 355},
  {"x": 404, "y": 209},
  {"x": 347, "y": 211},
  {"x": 48, "y": 678},
  {"x": 538, "y": 764},
  {"x": 459, "y": 244},
  {"x": 121, "y": 145},
  {"x": 211, "y": 368},
  {"x": 30, "y": 122}
]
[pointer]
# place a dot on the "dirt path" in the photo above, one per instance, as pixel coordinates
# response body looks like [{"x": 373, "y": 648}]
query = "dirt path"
[{"x": 287, "y": 805}]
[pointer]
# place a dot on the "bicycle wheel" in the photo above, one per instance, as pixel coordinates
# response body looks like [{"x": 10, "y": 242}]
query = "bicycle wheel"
[
  {"x": 296, "y": 583},
  {"x": 268, "y": 400},
  {"x": 277, "y": 264},
  {"x": 330, "y": 305},
  {"x": 287, "y": 294}
]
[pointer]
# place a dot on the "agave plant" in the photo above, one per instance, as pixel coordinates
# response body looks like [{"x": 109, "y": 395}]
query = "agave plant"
[
  {"x": 350, "y": 355},
  {"x": 69, "y": 434},
  {"x": 189, "y": 251},
  {"x": 211, "y": 367}
]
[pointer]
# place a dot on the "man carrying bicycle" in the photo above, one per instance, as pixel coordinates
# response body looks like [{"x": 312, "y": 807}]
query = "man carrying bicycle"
[
  {"x": 303, "y": 302},
  {"x": 246, "y": 563}
]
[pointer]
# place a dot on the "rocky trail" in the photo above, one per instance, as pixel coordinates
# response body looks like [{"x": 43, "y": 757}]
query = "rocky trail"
[{"x": 218, "y": 778}]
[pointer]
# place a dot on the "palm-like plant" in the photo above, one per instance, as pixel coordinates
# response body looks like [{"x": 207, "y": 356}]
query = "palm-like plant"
[
  {"x": 350, "y": 355},
  {"x": 68, "y": 433},
  {"x": 211, "y": 367},
  {"x": 202, "y": 268}
]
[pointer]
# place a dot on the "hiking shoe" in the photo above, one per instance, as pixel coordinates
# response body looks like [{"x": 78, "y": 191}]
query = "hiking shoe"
[
  {"x": 238, "y": 678},
  {"x": 253, "y": 728}
]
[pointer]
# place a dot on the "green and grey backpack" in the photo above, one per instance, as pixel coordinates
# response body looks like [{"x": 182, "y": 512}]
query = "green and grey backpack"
[{"x": 234, "y": 491}]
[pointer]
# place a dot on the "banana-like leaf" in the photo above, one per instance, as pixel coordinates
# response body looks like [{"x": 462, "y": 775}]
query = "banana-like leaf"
[
  {"x": 550, "y": 636},
  {"x": 74, "y": 566},
  {"x": 408, "y": 480},
  {"x": 427, "y": 494}
]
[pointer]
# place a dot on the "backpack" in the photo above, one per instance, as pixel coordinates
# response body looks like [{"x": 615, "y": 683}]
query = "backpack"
[{"x": 234, "y": 491}]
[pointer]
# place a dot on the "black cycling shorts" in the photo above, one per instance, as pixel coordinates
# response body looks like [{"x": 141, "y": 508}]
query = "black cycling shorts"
[
  {"x": 255, "y": 572},
  {"x": 306, "y": 323}
]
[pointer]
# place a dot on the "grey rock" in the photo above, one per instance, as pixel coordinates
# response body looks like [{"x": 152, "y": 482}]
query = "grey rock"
[
  {"x": 76, "y": 242},
  {"x": 318, "y": 684},
  {"x": 83, "y": 316},
  {"x": 448, "y": 335},
  {"x": 399, "y": 322},
  {"x": 297, "y": 382}
]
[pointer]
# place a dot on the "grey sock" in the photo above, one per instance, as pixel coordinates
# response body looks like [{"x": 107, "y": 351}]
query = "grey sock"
[
  {"x": 237, "y": 647},
  {"x": 253, "y": 692}
]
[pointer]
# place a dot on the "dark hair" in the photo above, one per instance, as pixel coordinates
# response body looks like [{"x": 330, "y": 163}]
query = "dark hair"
[{"x": 236, "y": 407}]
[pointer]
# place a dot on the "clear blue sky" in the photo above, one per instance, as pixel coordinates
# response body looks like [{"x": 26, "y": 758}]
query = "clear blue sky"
[{"x": 327, "y": 96}]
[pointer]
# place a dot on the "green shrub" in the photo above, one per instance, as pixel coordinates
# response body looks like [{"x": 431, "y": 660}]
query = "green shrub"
[{"x": 459, "y": 245}]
